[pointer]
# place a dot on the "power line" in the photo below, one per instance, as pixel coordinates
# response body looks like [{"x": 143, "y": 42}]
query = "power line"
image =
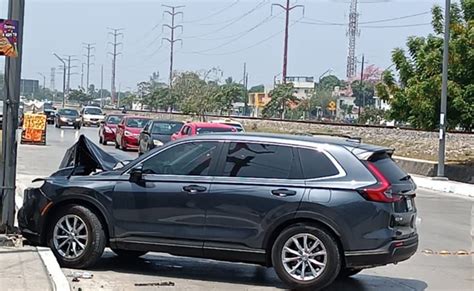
[
  {"x": 196, "y": 21},
  {"x": 396, "y": 18},
  {"x": 235, "y": 20},
  {"x": 396, "y": 26},
  {"x": 239, "y": 35},
  {"x": 115, "y": 32}
]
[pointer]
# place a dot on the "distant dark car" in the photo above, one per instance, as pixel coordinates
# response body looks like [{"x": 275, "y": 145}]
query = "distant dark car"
[
  {"x": 68, "y": 117},
  {"x": 128, "y": 131},
  {"x": 108, "y": 128},
  {"x": 313, "y": 208},
  {"x": 156, "y": 133},
  {"x": 50, "y": 115}
]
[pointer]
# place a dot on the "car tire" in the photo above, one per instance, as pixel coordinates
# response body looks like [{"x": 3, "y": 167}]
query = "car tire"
[
  {"x": 91, "y": 236},
  {"x": 348, "y": 272},
  {"x": 128, "y": 254},
  {"x": 301, "y": 261}
]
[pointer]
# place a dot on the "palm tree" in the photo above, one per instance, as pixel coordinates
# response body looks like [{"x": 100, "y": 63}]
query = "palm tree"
[{"x": 282, "y": 95}]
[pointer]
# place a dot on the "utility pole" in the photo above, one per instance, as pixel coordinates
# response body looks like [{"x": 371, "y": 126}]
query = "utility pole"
[
  {"x": 444, "y": 91},
  {"x": 361, "y": 88},
  {"x": 69, "y": 59},
  {"x": 64, "y": 77},
  {"x": 115, "y": 33},
  {"x": 287, "y": 9},
  {"x": 172, "y": 12},
  {"x": 102, "y": 85},
  {"x": 245, "y": 83},
  {"x": 52, "y": 84},
  {"x": 89, "y": 47},
  {"x": 44, "y": 79},
  {"x": 353, "y": 31},
  {"x": 16, "y": 11},
  {"x": 82, "y": 75}
]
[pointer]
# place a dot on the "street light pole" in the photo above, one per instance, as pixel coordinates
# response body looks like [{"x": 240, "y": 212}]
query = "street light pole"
[
  {"x": 444, "y": 92},
  {"x": 64, "y": 77},
  {"x": 16, "y": 11}
]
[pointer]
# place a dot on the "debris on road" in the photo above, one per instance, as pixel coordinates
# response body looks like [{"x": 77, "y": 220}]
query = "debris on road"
[
  {"x": 80, "y": 275},
  {"x": 159, "y": 284}
]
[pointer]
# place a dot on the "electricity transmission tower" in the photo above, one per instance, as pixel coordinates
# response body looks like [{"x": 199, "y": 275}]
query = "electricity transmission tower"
[
  {"x": 352, "y": 32},
  {"x": 89, "y": 47},
  {"x": 172, "y": 12},
  {"x": 287, "y": 10},
  {"x": 115, "y": 33}
]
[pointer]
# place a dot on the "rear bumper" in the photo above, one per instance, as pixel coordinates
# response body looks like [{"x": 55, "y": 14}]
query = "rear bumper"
[
  {"x": 66, "y": 123},
  {"x": 393, "y": 252}
]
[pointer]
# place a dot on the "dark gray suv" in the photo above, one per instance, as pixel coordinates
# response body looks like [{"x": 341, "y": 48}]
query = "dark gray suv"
[{"x": 314, "y": 208}]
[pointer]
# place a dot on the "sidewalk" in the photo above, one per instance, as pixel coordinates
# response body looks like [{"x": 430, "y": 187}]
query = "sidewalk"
[
  {"x": 447, "y": 186},
  {"x": 23, "y": 269},
  {"x": 29, "y": 268}
]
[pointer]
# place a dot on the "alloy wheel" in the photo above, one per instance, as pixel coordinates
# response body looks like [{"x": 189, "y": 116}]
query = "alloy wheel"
[
  {"x": 70, "y": 236},
  {"x": 304, "y": 257}
]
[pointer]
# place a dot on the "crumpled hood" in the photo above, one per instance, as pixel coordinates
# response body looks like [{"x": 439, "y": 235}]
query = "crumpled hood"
[{"x": 85, "y": 157}]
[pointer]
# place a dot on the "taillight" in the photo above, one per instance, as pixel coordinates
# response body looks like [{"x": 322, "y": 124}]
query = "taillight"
[{"x": 381, "y": 191}]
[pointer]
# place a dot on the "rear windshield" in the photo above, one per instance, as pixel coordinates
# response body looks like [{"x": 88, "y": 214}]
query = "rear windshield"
[
  {"x": 202, "y": 130},
  {"x": 389, "y": 168},
  {"x": 68, "y": 112},
  {"x": 238, "y": 127},
  {"x": 114, "y": 119},
  {"x": 166, "y": 128},
  {"x": 93, "y": 111},
  {"x": 137, "y": 122}
]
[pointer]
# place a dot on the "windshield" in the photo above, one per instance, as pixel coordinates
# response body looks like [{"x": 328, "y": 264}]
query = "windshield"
[
  {"x": 114, "y": 119},
  {"x": 202, "y": 130},
  {"x": 166, "y": 128},
  {"x": 68, "y": 112},
  {"x": 93, "y": 111},
  {"x": 238, "y": 127},
  {"x": 136, "y": 122}
]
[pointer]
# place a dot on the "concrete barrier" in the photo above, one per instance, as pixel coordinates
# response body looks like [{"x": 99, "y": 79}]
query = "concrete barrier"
[{"x": 455, "y": 172}]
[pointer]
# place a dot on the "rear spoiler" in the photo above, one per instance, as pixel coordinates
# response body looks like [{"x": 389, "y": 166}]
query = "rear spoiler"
[{"x": 365, "y": 151}]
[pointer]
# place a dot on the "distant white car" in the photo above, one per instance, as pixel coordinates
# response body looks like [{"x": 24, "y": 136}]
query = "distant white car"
[
  {"x": 237, "y": 125},
  {"x": 91, "y": 115}
]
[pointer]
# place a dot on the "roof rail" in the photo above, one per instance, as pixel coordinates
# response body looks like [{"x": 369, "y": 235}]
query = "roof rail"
[{"x": 348, "y": 137}]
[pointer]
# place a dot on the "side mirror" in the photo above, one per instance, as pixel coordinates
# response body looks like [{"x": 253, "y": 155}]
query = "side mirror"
[
  {"x": 136, "y": 174},
  {"x": 102, "y": 122}
]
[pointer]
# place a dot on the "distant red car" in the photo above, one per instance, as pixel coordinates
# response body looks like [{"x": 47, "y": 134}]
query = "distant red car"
[
  {"x": 128, "y": 131},
  {"x": 108, "y": 128},
  {"x": 195, "y": 128}
]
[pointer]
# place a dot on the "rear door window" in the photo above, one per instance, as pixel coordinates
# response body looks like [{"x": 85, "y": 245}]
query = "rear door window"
[
  {"x": 389, "y": 168},
  {"x": 256, "y": 160},
  {"x": 316, "y": 164}
]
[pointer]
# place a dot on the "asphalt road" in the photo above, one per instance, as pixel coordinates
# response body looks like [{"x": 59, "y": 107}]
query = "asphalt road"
[{"x": 445, "y": 224}]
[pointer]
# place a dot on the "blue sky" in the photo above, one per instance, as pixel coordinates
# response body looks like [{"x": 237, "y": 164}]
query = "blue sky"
[{"x": 215, "y": 34}]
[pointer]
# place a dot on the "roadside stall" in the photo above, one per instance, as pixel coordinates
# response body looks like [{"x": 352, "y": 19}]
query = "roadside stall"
[{"x": 34, "y": 124}]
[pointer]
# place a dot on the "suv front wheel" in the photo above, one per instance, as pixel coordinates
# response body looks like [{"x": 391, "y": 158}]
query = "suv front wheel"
[
  {"x": 76, "y": 237},
  {"x": 305, "y": 256}
]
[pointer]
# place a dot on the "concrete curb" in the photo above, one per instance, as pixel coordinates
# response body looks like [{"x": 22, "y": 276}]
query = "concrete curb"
[
  {"x": 57, "y": 277},
  {"x": 455, "y": 188}
]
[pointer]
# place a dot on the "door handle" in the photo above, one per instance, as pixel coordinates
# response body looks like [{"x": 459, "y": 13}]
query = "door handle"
[
  {"x": 283, "y": 192},
  {"x": 194, "y": 189}
]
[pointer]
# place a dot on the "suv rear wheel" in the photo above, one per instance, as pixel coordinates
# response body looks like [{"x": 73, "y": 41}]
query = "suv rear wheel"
[
  {"x": 305, "y": 256},
  {"x": 76, "y": 237}
]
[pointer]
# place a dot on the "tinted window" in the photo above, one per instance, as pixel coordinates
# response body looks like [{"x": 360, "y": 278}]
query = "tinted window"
[
  {"x": 114, "y": 119},
  {"x": 136, "y": 122},
  {"x": 166, "y": 128},
  {"x": 316, "y": 164},
  {"x": 184, "y": 159},
  {"x": 389, "y": 168},
  {"x": 238, "y": 127},
  {"x": 68, "y": 112},
  {"x": 93, "y": 111},
  {"x": 259, "y": 161},
  {"x": 186, "y": 130},
  {"x": 202, "y": 130}
]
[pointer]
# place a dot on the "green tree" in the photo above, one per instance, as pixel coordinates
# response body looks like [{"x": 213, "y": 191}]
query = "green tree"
[
  {"x": 79, "y": 96},
  {"x": 282, "y": 96},
  {"x": 416, "y": 97},
  {"x": 257, "y": 89},
  {"x": 329, "y": 82},
  {"x": 364, "y": 94}
]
